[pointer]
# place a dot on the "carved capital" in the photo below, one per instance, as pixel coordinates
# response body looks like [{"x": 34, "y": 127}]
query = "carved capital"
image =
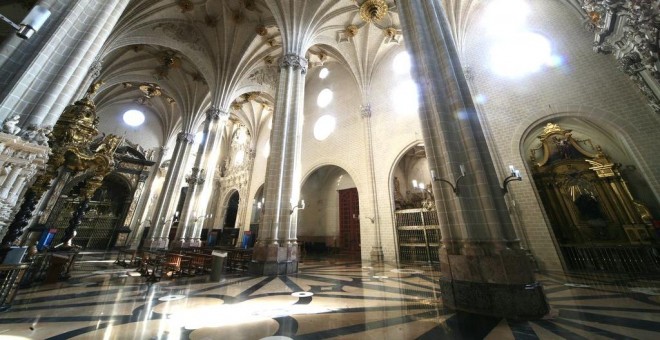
[
  {"x": 185, "y": 137},
  {"x": 213, "y": 113},
  {"x": 295, "y": 61},
  {"x": 365, "y": 111}
]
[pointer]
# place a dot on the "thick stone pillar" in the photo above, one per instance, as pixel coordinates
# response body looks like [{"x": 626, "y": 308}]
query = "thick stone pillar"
[
  {"x": 39, "y": 77},
  {"x": 276, "y": 251},
  {"x": 188, "y": 234},
  {"x": 483, "y": 268},
  {"x": 162, "y": 219}
]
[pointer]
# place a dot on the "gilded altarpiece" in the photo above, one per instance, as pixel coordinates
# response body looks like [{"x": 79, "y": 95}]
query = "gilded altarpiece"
[
  {"x": 586, "y": 199},
  {"x": 112, "y": 206}
]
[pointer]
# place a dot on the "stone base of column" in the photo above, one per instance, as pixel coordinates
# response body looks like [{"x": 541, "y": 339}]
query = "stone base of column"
[
  {"x": 274, "y": 260},
  {"x": 501, "y": 285},
  {"x": 177, "y": 244},
  {"x": 194, "y": 243},
  {"x": 157, "y": 243},
  {"x": 377, "y": 255}
]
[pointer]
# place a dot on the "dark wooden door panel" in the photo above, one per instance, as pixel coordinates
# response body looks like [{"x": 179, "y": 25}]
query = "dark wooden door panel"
[{"x": 349, "y": 221}]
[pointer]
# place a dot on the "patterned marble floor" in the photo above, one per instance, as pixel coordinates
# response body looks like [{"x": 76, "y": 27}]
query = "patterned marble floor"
[{"x": 339, "y": 300}]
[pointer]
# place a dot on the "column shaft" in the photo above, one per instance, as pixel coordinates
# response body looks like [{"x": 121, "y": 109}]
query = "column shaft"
[
  {"x": 162, "y": 219},
  {"x": 276, "y": 249},
  {"x": 483, "y": 268}
]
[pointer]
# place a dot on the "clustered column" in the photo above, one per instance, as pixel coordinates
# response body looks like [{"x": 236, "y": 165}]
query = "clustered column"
[
  {"x": 483, "y": 268},
  {"x": 276, "y": 249},
  {"x": 162, "y": 218},
  {"x": 217, "y": 119}
]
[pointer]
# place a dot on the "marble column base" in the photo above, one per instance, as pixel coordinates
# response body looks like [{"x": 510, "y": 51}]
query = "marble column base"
[
  {"x": 195, "y": 243},
  {"x": 501, "y": 285},
  {"x": 377, "y": 255},
  {"x": 178, "y": 244},
  {"x": 274, "y": 260},
  {"x": 158, "y": 243}
]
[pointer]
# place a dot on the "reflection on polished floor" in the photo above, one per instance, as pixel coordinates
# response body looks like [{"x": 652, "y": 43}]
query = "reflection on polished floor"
[{"x": 326, "y": 299}]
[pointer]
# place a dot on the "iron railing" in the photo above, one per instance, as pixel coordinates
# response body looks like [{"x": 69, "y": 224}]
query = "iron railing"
[{"x": 628, "y": 259}]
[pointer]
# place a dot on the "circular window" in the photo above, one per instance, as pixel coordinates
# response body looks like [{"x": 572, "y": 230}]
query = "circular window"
[
  {"x": 325, "y": 97},
  {"x": 405, "y": 97},
  {"x": 324, "y": 127},
  {"x": 401, "y": 63},
  {"x": 521, "y": 55},
  {"x": 133, "y": 118},
  {"x": 324, "y": 73}
]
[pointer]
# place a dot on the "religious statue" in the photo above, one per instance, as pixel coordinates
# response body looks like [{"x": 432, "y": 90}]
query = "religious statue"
[
  {"x": 10, "y": 125},
  {"x": 29, "y": 133},
  {"x": 42, "y": 135}
]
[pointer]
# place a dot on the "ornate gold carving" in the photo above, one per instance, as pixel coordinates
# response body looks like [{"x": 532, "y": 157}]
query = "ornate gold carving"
[
  {"x": 151, "y": 90},
  {"x": 558, "y": 143},
  {"x": 373, "y": 10},
  {"x": 269, "y": 60},
  {"x": 261, "y": 30},
  {"x": 351, "y": 31},
  {"x": 549, "y": 129},
  {"x": 186, "y": 5},
  {"x": 602, "y": 170}
]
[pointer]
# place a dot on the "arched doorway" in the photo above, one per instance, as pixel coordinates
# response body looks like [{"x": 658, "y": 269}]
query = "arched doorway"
[
  {"x": 232, "y": 211},
  {"x": 106, "y": 213},
  {"x": 416, "y": 220},
  {"x": 330, "y": 222},
  {"x": 583, "y": 178}
]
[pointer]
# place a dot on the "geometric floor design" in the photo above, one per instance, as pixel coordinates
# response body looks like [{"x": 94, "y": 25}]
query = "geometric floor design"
[{"x": 323, "y": 301}]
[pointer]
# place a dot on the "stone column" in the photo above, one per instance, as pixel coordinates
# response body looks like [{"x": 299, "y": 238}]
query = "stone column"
[
  {"x": 276, "y": 249},
  {"x": 186, "y": 236},
  {"x": 76, "y": 30},
  {"x": 9, "y": 182},
  {"x": 19, "y": 185},
  {"x": 137, "y": 223},
  {"x": 4, "y": 172},
  {"x": 194, "y": 180},
  {"x": 484, "y": 270},
  {"x": 161, "y": 220},
  {"x": 376, "y": 253}
]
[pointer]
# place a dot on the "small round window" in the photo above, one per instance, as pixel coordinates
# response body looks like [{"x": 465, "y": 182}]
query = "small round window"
[
  {"x": 324, "y": 73},
  {"x": 324, "y": 127},
  {"x": 133, "y": 118},
  {"x": 325, "y": 97}
]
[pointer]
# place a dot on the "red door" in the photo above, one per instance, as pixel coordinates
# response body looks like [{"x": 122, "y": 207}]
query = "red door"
[{"x": 349, "y": 222}]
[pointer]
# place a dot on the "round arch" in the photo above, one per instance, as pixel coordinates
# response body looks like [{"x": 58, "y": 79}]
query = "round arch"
[{"x": 330, "y": 221}]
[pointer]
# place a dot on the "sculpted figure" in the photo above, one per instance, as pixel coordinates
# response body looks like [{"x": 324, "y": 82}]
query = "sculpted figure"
[
  {"x": 10, "y": 125},
  {"x": 41, "y": 137},
  {"x": 30, "y": 133}
]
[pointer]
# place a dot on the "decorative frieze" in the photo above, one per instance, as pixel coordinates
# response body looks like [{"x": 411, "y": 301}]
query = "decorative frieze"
[
  {"x": 19, "y": 162},
  {"x": 629, "y": 29}
]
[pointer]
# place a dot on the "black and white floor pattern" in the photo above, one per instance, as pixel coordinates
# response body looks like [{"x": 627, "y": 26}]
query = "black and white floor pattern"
[{"x": 324, "y": 300}]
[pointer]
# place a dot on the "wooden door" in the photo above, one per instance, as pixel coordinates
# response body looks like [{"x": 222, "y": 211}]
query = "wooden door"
[{"x": 349, "y": 222}]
